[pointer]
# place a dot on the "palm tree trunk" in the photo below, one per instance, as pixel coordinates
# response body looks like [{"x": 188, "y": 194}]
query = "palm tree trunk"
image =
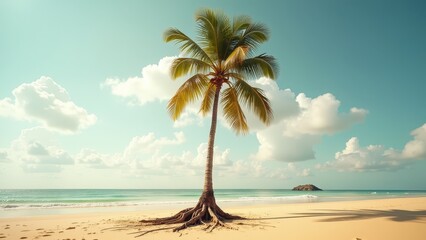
[
  {"x": 206, "y": 209},
  {"x": 208, "y": 175}
]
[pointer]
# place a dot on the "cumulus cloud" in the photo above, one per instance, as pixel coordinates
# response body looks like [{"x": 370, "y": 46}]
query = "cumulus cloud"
[
  {"x": 369, "y": 158},
  {"x": 263, "y": 169},
  {"x": 147, "y": 154},
  {"x": 416, "y": 148},
  {"x": 249, "y": 168},
  {"x": 378, "y": 158},
  {"x": 300, "y": 123},
  {"x": 151, "y": 144},
  {"x": 275, "y": 144},
  {"x": 282, "y": 102},
  {"x": 161, "y": 162},
  {"x": 155, "y": 84},
  {"x": 321, "y": 115},
  {"x": 34, "y": 151},
  {"x": 221, "y": 158},
  {"x": 46, "y": 102},
  {"x": 305, "y": 172},
  {"x": 189, "y": 117},
  {"x": 94, "y": 159},
  {"x": 142, "y": 152}
]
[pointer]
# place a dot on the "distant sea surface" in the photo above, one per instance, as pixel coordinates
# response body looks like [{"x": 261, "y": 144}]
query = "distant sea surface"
[{"x": 28, "y": 202}]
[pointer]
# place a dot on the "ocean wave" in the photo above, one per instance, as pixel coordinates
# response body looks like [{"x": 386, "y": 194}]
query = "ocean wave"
[
  {"x": 298, "y": 198},
  {"x": 280, "y": 198},
  {"x": 66, "y": 205}
]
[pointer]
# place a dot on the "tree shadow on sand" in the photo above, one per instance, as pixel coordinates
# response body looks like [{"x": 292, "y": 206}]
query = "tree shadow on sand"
[
  {"x": 323, "y": 215},
  {"x": 395, "y": 215}
]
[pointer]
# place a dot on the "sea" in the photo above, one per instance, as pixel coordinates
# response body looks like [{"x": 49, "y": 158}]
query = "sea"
[{"x": 32, "y": 202}]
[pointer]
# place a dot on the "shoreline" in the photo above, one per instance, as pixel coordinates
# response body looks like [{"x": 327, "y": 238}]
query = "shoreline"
[
  {"x": 390, "y": 219},
  {"x": 174, "y": 205}
]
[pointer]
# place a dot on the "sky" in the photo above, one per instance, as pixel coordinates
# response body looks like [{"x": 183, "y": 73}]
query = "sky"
[{"x": 84, "y": 87}]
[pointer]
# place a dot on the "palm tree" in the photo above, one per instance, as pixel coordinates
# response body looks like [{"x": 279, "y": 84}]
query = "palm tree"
[{"x": 219, "y": 64}]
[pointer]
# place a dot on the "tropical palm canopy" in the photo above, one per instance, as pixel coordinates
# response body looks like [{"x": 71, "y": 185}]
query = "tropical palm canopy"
[
  {"x": 219, "y": 63},
  {"x": 224, "y": 54}
]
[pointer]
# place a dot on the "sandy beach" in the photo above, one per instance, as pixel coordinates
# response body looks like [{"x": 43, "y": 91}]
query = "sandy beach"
[{"x": 390, "y": 219}]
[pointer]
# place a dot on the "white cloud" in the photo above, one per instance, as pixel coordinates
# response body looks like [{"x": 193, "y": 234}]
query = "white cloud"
[
  {"x": 282, "y": 102},
  {"x": 142, "y": 148},
  {"x": 320, "y": 115},
  {"x": 190, "y": 116},
  {"x": 221, "y": 158},
  {"x": 34, "y": 151},
  {"x": 248, "y": 168},
  {"x": 305, "y": 172},
  {"x": 261, "y": 169},
  {"x": 300, "y": 123},
  {"x": 369, "y": 158},
  {"x": 93, "y": 159},
  {"x": 377, "y": 157},
  {"x": 142, "y": 152},
  {"x": 275, "y": 144},
  {"x": 46, "y": 102},
  {"x": 151, "y": 144},
  {"x": 416, "y": 148},
  {"x": 155, "y": 84},
  {"x": 146, "y": 155}
]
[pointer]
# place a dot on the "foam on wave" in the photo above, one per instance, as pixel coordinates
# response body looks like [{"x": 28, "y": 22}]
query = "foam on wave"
[{"x": 298, "y": 198}]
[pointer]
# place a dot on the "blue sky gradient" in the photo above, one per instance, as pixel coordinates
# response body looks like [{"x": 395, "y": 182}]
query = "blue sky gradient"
[{"x": 365, "y": 54}]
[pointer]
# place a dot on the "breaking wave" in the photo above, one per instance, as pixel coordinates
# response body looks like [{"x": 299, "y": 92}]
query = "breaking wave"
[{"x": 289, "y": 199}]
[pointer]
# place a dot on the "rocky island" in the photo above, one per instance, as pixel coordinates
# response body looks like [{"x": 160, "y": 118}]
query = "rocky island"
[{"x": 307, "y": 187}]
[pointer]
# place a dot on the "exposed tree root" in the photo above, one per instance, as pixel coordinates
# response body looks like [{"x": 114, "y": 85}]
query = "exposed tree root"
[
  {"x": 205, "y": 212},
  {"x": 152, "y": 230}
]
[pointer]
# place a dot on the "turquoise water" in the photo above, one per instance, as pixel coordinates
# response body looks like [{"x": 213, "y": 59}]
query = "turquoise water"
[{"x": 61, "y": 199}]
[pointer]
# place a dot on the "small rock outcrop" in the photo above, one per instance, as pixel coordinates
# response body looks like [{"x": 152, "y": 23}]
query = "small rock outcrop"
[{"x": 307, "y": 187}]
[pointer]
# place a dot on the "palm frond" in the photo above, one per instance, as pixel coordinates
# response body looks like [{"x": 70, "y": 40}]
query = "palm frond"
[
  {"x": 188, "y": 46},
  {"x": 254, "y": 34},
  {"x": 190, "y": 91},
  {"x": 259, "y": 66},
  {"x": 239, "y": 23},
  {"x": 215, "y": 32},
  {"x": 254, "y": 98},
  {"x": 183, "y": 66},
  {"x": 208, "y": 98},
  {"x": 236, "y": 57},
  {"x": 232, "y": 111},
  {"x": 223, "y": 53}
]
